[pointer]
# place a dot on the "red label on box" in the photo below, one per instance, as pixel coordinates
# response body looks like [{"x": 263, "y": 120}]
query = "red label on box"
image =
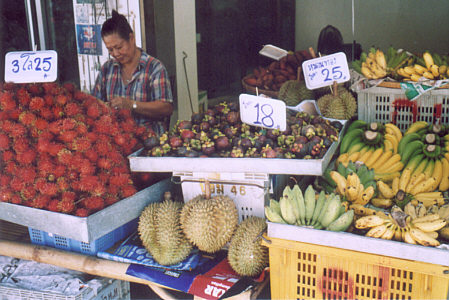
[{"x": 213, "y": 284}]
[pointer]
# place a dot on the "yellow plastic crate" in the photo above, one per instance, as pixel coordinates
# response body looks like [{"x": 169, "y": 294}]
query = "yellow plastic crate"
[{"x": 308, "y": 271}]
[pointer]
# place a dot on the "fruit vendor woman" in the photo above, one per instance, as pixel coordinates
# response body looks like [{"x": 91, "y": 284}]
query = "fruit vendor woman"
[{"x": 132, "y": 78}]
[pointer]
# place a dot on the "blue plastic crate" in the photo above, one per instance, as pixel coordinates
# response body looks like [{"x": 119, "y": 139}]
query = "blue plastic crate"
[{"x": 40, "y": 237}]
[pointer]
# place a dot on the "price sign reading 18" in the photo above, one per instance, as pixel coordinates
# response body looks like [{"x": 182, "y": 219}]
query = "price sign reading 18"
[
  {"x": 323, "y": 71},
  {"x": 31, "y": 66},
  {"x": 263, "y": 112}
]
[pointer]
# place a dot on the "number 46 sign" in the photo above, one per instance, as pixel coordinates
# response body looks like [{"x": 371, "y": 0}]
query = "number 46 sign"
[{"x": 31, "y": 66}]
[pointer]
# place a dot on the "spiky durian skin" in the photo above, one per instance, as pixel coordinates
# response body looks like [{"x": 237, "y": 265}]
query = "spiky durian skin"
[
  {"x": 246, "y": 255},
  {"x": 324, "y": 102},
  {"x": 350, "y": 104},
  {"x": 209, "y": 223},
  {"x": 336, "y": 109},
  {"x": 292, "y": 92},
  {"x": 161, "y": 233}
]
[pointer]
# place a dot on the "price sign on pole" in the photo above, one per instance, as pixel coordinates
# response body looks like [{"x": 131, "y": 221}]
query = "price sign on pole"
[
  {"x": 263, "y": 112},
  {"x": 323, "y": 71},
  {"x": 31, "y": 66}
]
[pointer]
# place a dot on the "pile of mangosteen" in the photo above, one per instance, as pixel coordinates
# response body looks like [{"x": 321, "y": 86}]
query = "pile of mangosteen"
[{"x": 219, "y": 132}]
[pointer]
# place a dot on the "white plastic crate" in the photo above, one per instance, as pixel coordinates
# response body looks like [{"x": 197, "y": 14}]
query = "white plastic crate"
[
  {"x": 385, "y": 105},
  {"x": 112, "y": 289},
  {"x": 249, "y": 191}
]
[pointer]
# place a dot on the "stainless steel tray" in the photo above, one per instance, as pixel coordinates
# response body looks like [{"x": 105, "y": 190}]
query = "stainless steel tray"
[
  {"x": 350, "y": 241},
  {"x": 314, "y": 167},
  {"x": 90, "y": 228}
]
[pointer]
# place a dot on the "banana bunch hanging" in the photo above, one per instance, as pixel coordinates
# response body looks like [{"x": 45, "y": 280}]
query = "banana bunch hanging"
[
  {"x": 402, "y": 227},
  {"x": 429, "y": 66}
]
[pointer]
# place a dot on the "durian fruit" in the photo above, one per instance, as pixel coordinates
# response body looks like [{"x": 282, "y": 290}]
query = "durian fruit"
[
  {"x": 319, "y": 92},
  {"x": 246, "y": 255},
  {"x": 293, "y": 92},
  {"x": 209, "y": 223},
  {"x": 340, "y": 104},
  {"x": 161, "y": 234}
]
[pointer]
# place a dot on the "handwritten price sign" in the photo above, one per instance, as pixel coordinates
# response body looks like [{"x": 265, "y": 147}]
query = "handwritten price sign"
[
  {"x": 31, "y": 66},
  {"x": 323, "y": 71},
  {"x": 263, "y": 112}
]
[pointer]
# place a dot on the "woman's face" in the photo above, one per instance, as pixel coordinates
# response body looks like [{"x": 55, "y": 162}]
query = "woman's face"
[{"x": 121, "y": 50}]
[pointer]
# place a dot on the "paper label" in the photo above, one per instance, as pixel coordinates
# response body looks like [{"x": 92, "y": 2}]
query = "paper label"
[
  {"x": 323, "y": 71},
  {"x": 263, "y": 112},
  {"x": 29, "y": 66}
]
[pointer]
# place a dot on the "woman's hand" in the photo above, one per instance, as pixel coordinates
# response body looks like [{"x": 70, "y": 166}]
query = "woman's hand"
[{"x": 121, "y": 102}]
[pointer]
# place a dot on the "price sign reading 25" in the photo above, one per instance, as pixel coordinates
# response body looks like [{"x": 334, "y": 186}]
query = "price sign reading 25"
[
  {"x": 263, "y": 112},
  {"x": 323, "y": 71},
  {"x": 31, "y": 66}
]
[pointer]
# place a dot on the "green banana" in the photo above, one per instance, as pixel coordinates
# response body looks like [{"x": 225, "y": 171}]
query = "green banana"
[
  {"x": 343, "y": 222},
  {"x": 406, "y": 139},
  {"x": 357, "y": 66},
  {"x": 361, "y": 171},
  {"x": 327, "y": 177},
  {"x": 273, "y": 216},
  {"x": 319, "y": 205},
  {"x": 332, "y": 211},
  {"x": 327, "y": 201},
  {"x": 351, "y": 167},
  {"x": 327, "y": 187},
  {"x": 348, "y": 138},
  {"x": 342, "y": 170},
  {"x": 299, "y": 198},
  {"x": 357, "y": 124},
  {"x": 310, "y": 202},
  {"x": 414, "y": 161},
  {"x": 411, "y": 148},
  {"x": 355, "y": 147},
  {"x": 274, "y": 205},
  {"x": 415, "y": 127},
  {"x": 286, "y": 210},
  {"x": 432, "y": 151}
]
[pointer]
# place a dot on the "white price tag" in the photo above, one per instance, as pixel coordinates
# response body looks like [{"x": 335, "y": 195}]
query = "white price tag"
[
  {"x": 31, "y": 66},
  {"x": 323, "y": 71},
  {"x": 263, "y": 112}
]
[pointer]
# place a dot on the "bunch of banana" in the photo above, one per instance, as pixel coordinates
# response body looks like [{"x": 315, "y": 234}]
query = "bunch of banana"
[
  {"x": 429, "y": 66},
  {"x": 401, "y": 227},
  {"x": 351, "y": 187},
  {"x": 322, "y": 212},
  {"x": 425, "y": 155},
  {"x": 443, "y": 212},
  {"x": 376, "y": 64}
]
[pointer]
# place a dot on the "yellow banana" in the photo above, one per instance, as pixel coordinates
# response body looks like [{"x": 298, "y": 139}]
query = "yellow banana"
[
  {"x": 367, "y": 72},
  {"x": 442, "y": 70},
  {"x": 404, "y": 179},
  {"x": 396, "y": 131},
  {"x": 437, "y": 174},
  {"x": 428, "y": 75},
  {"x": 388, "y": 145},
  {"x": 428, "y": 59},
  {"x": 416, "y": 126},
  {"x": 340, "y": 181},
  {"x": 343, "y": 158},
  {"x": 389, "y": 233},
  {"x": 397, "y": 166},
  {"x": 423, "y": 238},
  {"x": 435, "y": 70},
  {"x": 426, "y": 219},
  {"x": 385, "y": 189},
  {"x": 387, "y": 177},
  {"x": 410, "y": 210},
  {"x": 353, "y": 156},
  {"x": 402, "y": 73},
  {"x": 444, "y": 183},
  {"x": 407, "y": 237},
  {"x": 369, "y": 221},
  {"x": 376, "y": 154},
  {"x": 409, "y": 70},
  {"x": 393, "y": 140},
  {"x": 395, "y": 185},
  {"x": 428, "y": 171},
  {"x": 415, "y": 77},
  {"x": 419, "y": 69},
  {"x": 365, "y": 156},
  {"x": 414, "y": 180},
  {"x": 380, "y": 59},
  {"x": 366, "y": 195},
  {"x": 361, "y": 210},
  {"x": 382, "y": 159},
  {"x": 443, "y": 212},
  {"x": 377, "y": 232},
  {"x": 381, "y": 202},
  {"x": 424, "y": 186},
  {"x": 390, "y": 164}
]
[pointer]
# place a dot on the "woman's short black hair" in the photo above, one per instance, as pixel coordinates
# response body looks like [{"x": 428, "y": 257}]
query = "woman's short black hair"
[
  {"x": 330, "y": 40},
  {"x": 116, "y": 24}
]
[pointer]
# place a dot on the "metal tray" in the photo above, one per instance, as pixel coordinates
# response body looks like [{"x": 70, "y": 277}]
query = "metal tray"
[
  {"x": 313, "y": 167},
  {"x": 350, "y": 241},
  {"x": 90, "y": 228}
]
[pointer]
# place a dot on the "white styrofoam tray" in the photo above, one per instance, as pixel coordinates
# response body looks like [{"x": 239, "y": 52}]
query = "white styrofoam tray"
[
  {"x": 89, "y": 228},
  {"x": 355, "y": 242},
  {"x": 313, "y": 167}
]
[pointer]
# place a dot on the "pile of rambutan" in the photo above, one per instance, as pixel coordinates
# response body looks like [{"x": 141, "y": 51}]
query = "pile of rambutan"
[{"x": 64, "y": 150}]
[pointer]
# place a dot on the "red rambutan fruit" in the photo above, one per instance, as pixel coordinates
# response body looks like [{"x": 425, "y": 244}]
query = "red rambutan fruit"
[
  {"x": 36, "y": 103},
  {"x": 93, "y": 203},
  {"x": 68, "y": 196},
  {"x": 27, "y": 175},
  {"x": 54, "y": 148},
  {"x": 4, "y": 179},
  {"x": 34, "y": 89},
  {"x": 68, "y": 124},
  {"x": 16, "y": 184},
  {"x": 72, "y": 109},
  {"x": 102, "y": 147},
  {"x": 114, "y": 190},
  {"x": 53, "y": 205},
  {"x": 28, "y": 192},
  {"x": 128, "y": 191},
  {"x": 16, "y": 199},
  {"x": 41, "y": 124},
  {"x": 45, "y": 167},
  {"x": 61, "y": 99},
  {"x": 104, "y": 163},
  {"x": 49, "y": 87},
  {"x": 7, "y": 155},
  {"x": 40, "y": 201},
  {"x": 4, "y": 141},
  {"x": 58, "y": 112},
  {"x": 21, "y": 144},
  {"x": 82, "y": 212},
  {"x": 11, "y": 167},
  {"x": 86, "y": 167},
  {"x": 79, "y": 95},
  {"x": 27, "y": 118},
  {"x": 120, "y": 139},
  {"x": 65, "y": 156},
  {"x": 69, "y": 87},
  {"x": 91, "y": 154},
  {"x": 5, "y": 194},
  {"x": 67, "y": 206},
  {"x": 110, "y": 199},
  {"x": 93, "y": 111},
  {"x": 81, "y": 144},
  {"x": 18, "y": 130},
  {"x": 67, "y": 136},
  {"x": 27, "y": 157},
  {"x": 59, "y": 170},
  {"x": 87, "y": 183},
  {"x": 23, "y": 97},
  {"x": 7, "y": 101},
  {"x": 46, "y": 113},
  {"x": 49, "y": 100},
  {"x": 99, "y": 190},
  {"x": 120, "y": 179},
  {"x": 43, "y": 144},
  {"x": 49, "y": 188},
  {"x": 63, "y": 184}
]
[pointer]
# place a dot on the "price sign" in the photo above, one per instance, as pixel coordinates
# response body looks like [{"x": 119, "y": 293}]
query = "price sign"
[
  {"x": 263, "y": 112},
  {"x": 323, "y": 71},
  {"x": 31, "y": 66}
]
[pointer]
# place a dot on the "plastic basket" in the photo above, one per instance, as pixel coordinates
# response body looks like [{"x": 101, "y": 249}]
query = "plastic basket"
[
  {"x": 384, "y": 105},
  {"x": 308, "y": 271},
  {"x": 113, "y": 290},
  {"x": 40, "y": 237}
]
